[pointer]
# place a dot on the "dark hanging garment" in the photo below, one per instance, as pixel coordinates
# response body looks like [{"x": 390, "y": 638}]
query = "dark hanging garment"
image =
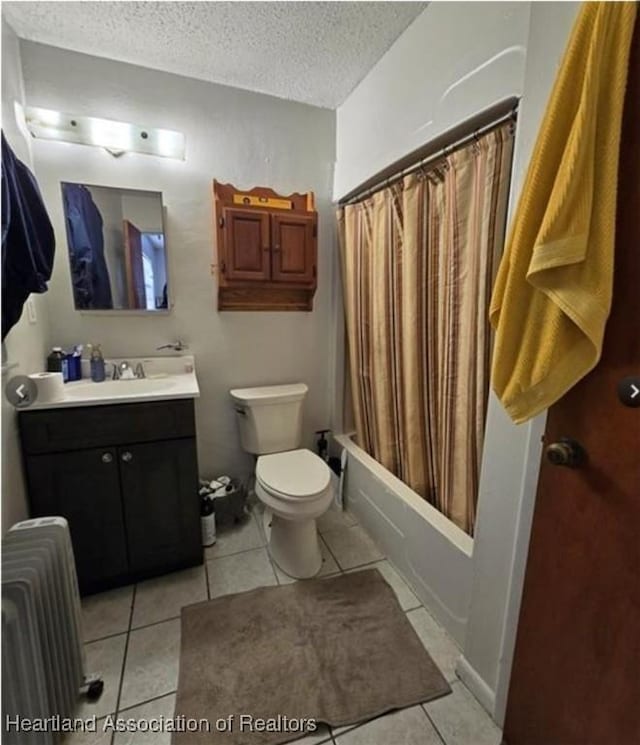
[
  {"x": 89, "y": 272},
  {"x": 28, "y": 242}
]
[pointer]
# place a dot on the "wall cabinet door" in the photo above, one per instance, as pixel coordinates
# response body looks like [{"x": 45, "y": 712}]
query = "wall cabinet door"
[
  {"x": 162, "y": 510},
  {"x": 293, "y": 248},
  {"x": 247, "y": 245},
  {"x": 83, "y": 487}
]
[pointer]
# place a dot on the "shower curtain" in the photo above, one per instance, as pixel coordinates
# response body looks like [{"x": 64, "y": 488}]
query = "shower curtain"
[{"x": 418, "y": 262}]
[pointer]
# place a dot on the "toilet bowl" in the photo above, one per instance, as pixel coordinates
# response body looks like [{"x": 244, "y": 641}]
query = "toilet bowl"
[
  {"x": 295, "y": 487},
  {"x": 294, "y": 484}
]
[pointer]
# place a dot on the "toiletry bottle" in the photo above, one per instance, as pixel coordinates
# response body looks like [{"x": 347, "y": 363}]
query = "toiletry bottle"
[
  {"x": 57, "y": 362},
  {"x": 75, "y": 364},
  {"x": 322, "y": 444},
  {"x": 207, "y": 520},
  {"x": 54, "y": 360},
  {"x": 97, "y": 364}
]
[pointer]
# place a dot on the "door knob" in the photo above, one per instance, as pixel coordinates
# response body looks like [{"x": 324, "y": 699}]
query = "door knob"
[
  {"x": 566, "y": 452},
  {"x": 107, "y": 457},
  {"x": 127, "y": 457}
]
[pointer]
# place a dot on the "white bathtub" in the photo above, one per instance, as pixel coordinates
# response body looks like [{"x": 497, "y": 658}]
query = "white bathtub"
[{"x": 432, "y": 553}]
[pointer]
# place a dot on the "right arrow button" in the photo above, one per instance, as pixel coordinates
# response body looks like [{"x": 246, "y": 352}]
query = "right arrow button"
[{"x": 629, "y": 391}]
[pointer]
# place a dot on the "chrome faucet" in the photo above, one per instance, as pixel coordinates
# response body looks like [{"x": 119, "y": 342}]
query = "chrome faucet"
[
  {"x": 124, "y": 371},
  {"x": 177, "y": 346}
]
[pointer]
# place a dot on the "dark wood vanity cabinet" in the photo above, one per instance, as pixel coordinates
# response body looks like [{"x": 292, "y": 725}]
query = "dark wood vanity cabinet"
[
  {"x": 266, "y": 249},
  {"x": 126, "y": 478}
]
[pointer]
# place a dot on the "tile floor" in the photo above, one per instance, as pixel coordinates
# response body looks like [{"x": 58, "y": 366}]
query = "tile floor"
[{"x": 132, "y": 638}]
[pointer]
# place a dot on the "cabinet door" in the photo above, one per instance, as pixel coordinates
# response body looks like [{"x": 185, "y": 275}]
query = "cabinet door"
[
  {"x": 83, "y": 486},
  {"x": 294, "y": 248},
  {"x": 246, "y": 254},
  {"x": 161, "y": 505}
]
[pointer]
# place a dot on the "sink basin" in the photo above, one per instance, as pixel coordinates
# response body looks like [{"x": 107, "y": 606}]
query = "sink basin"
[
  {"x": 168, "y": 378},
  {"x": 116, "y": 388}
]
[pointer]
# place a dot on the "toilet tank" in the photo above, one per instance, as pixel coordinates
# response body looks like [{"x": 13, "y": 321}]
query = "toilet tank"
[{"x": 270, "y": 418}]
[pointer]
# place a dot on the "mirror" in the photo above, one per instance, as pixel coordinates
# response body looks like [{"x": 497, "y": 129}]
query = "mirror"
[{"x": 117, "y": 251}]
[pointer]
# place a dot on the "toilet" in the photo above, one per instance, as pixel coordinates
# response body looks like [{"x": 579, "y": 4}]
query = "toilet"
[{"x": 294, "y": 484}]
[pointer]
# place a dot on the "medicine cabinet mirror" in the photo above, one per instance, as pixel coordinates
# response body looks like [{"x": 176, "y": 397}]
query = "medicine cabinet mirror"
[{"x": 117, "y": 251}]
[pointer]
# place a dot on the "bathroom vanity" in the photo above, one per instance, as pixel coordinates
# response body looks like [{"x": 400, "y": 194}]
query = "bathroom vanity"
[{"x": 124, "y": 474}]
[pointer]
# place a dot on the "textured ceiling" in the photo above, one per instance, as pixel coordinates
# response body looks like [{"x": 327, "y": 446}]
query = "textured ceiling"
[{"x": 315, "y": 52}]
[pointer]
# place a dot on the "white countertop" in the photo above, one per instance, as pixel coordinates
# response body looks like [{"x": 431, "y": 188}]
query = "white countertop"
[{"x": 166, "y": 378}]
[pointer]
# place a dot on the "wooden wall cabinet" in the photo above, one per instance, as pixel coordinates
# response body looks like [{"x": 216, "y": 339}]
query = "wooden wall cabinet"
[
  {"x": 267, "y": 249},
  {"x": 125, "y": 477}
]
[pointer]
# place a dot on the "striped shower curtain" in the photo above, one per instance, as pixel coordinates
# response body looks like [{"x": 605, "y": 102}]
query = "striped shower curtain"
[{"x": 418, "y": 262}]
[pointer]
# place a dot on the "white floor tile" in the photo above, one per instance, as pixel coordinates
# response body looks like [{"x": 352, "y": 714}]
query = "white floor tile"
[
  {"x": 328, "y": 567},
  {"x": 322, "y": 734},
  {"x": 231, "y": 539},
  {"x": 404, "y": 727},
  {"x": 106, "y": 613},
  {"x": 161, "y": 707},
  {"x": 152, "y": 663},
  {"x": 352, "y": 546},
  {"x": 104, "y": 658},
  {"x": 240, "y": 572},
  {"x": 461, "y": 720},
  {"x": 163, "y": 597},
  {"x": 334, "y": 518},
  {"x": 404, "y": 593},
  {"x": 437, "y": 642}
]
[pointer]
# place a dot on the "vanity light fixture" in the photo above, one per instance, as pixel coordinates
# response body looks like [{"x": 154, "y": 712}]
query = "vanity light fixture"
[{"x": 116, "y": 137}]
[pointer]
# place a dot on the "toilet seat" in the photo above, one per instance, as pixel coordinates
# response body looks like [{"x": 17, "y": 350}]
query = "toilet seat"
[{"x": 295, "y": 475}]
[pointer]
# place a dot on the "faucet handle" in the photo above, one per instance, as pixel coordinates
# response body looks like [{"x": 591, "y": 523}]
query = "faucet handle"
[
  {"x": 140, "y": 373},
  {"x": 116, "y": 371}
]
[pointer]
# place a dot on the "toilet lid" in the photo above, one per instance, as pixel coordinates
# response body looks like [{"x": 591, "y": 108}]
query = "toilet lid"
[{"x": 296, "y": 473}]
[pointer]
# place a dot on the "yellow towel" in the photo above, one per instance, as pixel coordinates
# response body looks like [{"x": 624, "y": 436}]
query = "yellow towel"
[{"x": 553, "y": 292}]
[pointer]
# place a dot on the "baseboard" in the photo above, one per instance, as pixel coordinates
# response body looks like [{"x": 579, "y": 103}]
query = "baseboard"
[{"x": 484, "y": 693}]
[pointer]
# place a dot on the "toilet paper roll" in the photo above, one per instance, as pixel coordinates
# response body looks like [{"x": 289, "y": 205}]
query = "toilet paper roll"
[{"x": 50, "y": 386}]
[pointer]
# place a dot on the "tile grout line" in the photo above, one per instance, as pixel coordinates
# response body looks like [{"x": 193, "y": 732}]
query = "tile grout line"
[
  {"x": 331, "y": 552},
  {"x": 149, "y": 701},
  {"x": 124, "y": 658},
  {"x": 233, "y": 553},
  {"x": 433, "y": 724},
  {"x": 206, "y": 578}
]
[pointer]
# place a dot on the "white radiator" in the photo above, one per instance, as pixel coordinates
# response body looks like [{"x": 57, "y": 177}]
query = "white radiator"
[{"x": 43, "y": 666}]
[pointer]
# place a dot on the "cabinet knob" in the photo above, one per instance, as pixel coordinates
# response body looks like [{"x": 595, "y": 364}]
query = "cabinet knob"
[
  {"x": 107, "y": 457},
  {"x": 127, "y": 457}
]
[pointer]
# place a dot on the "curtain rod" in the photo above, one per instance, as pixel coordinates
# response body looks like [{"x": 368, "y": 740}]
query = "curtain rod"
[{"x": 439, "y": 154}]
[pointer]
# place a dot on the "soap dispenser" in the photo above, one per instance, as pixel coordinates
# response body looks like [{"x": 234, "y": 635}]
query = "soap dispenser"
[{"x": 322, "y": 444}]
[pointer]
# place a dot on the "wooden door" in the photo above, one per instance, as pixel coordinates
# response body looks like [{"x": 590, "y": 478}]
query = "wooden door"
[
  {"x": 161, "y": 504},
  {"x": 134, "y": 268},
  {"x": 83, "y": 487},
  {"x": 294, "y": 248},
  {"x": 576, "y": 671},
  {"x": 246, "y": 245}
]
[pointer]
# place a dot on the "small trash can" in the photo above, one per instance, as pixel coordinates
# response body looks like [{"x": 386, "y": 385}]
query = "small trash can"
[{"x": 229, "y": 499}]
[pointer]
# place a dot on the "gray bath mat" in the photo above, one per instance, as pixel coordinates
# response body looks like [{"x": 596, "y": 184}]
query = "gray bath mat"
[{"x": 339, "y": 651}]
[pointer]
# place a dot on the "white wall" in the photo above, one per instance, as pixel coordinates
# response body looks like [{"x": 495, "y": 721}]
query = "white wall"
[
  {"x": 455, "y": 60},
  {"x": 143, "y": 210},
  {"x": 232, "y": 135},
  {"x": 26, "y": 344}
]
